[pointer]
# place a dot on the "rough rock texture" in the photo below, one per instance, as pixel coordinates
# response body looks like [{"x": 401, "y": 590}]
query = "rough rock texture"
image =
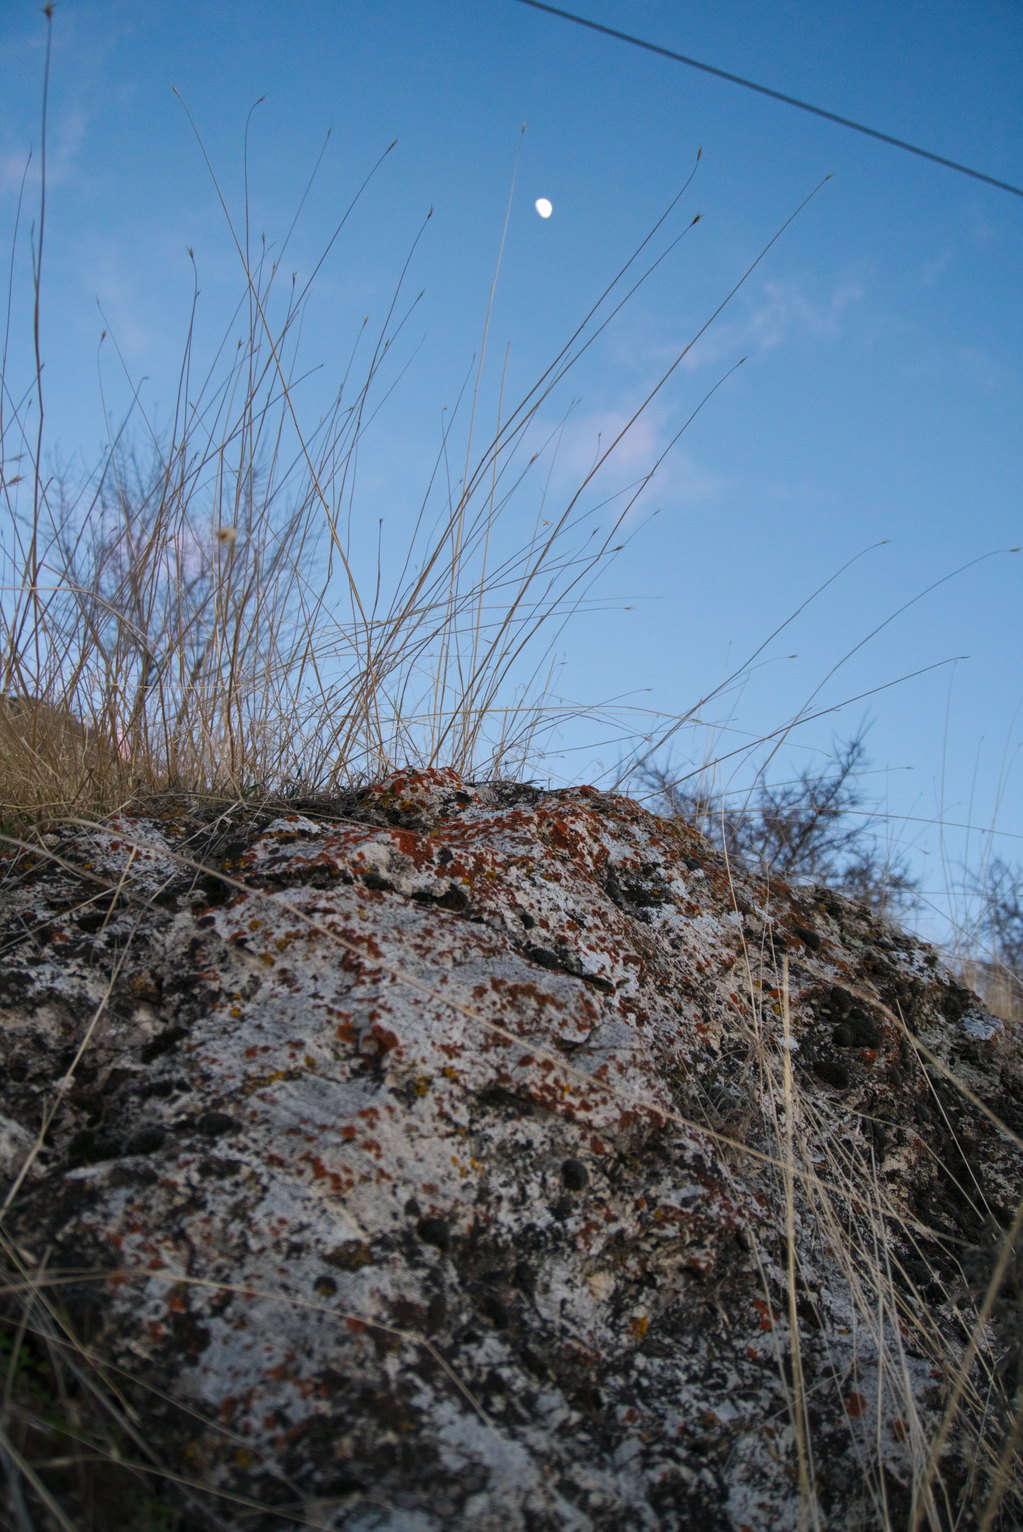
[{"x": 480, "y": 1157}]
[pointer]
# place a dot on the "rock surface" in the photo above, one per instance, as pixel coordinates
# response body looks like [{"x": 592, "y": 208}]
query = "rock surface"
[{"x": 478, "y": 1157}]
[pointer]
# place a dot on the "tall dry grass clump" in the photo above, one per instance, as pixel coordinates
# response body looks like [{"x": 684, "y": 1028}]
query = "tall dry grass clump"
[
  {"x": 45, "y": 751},
  {"x": 202, "y": 605}
]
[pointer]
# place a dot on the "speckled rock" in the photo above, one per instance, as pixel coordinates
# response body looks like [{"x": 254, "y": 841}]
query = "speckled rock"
[{"x": 481, "y": 1157}]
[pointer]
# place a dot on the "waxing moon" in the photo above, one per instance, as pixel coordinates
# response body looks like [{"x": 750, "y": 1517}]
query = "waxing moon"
[{"x": 544, "y": 207}]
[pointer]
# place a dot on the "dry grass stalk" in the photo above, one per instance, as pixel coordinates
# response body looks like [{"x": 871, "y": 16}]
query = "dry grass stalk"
[{"x": 48, "y": 755}]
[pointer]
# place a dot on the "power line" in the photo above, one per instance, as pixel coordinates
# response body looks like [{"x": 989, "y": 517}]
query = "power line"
[{"x": 777, "y": 95}]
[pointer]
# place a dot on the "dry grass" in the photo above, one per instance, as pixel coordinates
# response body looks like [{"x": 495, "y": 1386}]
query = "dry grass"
[
  {"x": 1000, "y": 987},
  {"x": 204, "y": 605},
  {"x": 48, "y": 756}
]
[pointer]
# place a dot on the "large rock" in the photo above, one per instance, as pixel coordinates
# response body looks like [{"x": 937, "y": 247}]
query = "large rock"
[{"x": 477, "y": 1157}]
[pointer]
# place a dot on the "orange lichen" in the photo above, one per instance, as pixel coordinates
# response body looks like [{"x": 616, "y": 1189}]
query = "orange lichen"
[{"x": 764, "y": 1313}]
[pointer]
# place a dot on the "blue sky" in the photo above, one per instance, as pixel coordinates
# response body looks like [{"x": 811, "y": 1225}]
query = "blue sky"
[{"x": 879, "y": 402}]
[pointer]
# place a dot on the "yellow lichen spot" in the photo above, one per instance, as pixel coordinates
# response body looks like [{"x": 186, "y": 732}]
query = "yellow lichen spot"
[
  {"x": 639, "y": 1324},
  {"x": 258, "y": 1082},
  {"x": 601, "y": 1284},
  {"x": 422, "y": 1085}
]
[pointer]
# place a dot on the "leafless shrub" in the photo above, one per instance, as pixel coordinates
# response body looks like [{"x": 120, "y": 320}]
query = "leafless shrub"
[{"x": 813, "y": 829}]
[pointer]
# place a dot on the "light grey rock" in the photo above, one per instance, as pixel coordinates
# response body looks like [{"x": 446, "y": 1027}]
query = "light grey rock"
[{"x": 431, "y": 1165}]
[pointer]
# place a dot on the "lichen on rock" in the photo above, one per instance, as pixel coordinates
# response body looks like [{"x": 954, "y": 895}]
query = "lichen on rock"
[{"x": 475, "y": 1156}]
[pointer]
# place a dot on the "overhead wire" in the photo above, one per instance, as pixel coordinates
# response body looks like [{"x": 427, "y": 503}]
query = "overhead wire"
[{"x": 776, "y": 95}]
